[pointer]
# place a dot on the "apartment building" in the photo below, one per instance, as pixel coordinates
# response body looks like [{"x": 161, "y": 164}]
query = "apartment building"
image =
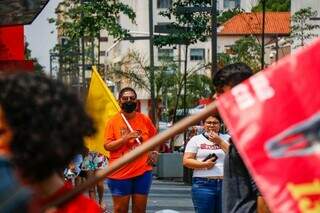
[{"x": 198, "y": 54}]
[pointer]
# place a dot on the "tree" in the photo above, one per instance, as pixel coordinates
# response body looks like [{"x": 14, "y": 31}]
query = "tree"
[
  {"x": 273, "y": 5},
  {"x": 228, "y": 14},
  {"x": 188, "y": 28},
  {"x": 38, "y": 68},
  {"x": 246, "y": 50},
  {"x": 84, "y": 19},
  {"x": 87, "y": 18},
  {"x": 302, "y": 28},
  {"x": 169, "y": 80},
  {"x": 69, "y": 57},
  {"x": 135, "y": 69}
]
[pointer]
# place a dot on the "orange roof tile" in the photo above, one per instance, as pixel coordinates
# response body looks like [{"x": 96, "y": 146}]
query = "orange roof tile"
[{"x": 251, "y": 23}]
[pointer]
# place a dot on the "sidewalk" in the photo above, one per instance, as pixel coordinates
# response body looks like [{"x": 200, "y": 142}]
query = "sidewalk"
[{"x": 165, "y": 194}]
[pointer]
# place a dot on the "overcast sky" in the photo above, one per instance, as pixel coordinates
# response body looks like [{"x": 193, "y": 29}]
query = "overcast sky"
[{"x": 39, "y": 36}]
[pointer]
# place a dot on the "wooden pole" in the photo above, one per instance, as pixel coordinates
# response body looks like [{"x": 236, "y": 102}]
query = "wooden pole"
[{"x": 130, "y": 156}]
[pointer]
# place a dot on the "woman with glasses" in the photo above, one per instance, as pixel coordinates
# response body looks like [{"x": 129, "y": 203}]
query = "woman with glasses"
[
  {"x": 133, "y": 180},
  {"x": 205, "y": 154}
]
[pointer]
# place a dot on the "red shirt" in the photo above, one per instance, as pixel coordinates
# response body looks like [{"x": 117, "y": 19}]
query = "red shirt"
[{"x": 80, "y": 203}]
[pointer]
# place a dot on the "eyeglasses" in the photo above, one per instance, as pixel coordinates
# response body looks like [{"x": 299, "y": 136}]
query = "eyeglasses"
[
  {"x": 212, "y": 122},
  {"x": 128, "y": 98}
]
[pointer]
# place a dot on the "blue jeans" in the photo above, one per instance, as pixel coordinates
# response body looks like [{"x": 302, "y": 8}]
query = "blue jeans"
[{"x": 206, "y": 195}]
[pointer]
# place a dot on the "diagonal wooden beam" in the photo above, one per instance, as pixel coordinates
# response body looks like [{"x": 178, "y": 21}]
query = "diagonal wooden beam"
[{"x": 128, "y": 157}]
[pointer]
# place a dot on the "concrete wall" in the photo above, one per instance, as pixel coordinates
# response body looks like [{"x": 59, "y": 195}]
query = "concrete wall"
[{"x": 248, "y": 4}]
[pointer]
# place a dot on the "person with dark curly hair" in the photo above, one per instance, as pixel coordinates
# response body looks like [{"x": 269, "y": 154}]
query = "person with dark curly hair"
[
  {"x": 13, "y": 196},
  {"x": 48, "y": 124}
]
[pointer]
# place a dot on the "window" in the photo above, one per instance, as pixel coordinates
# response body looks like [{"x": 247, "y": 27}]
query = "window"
[
  {"x": 164, "y": 54},
  {"x": 102, "y": 53},
  {"x": 103, "y": 39},
  {"x": 196, "y": 54},
  {"x": 164, "y": 3},
  {"x": 230, "y": 4}
]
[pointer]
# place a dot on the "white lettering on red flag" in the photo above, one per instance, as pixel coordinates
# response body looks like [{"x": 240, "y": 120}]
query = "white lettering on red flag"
[{"x": 274, "y": 118}]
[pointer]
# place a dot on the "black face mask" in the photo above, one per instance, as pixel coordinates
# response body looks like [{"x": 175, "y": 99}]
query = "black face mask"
[{"x": 129, "y": 106}]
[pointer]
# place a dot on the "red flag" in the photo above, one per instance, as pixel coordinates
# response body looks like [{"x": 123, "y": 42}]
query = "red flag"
[
  {"x": 274, "y": 118},
  {"x": 12, "y": 43},
  {"x": 11, "y": 66}
]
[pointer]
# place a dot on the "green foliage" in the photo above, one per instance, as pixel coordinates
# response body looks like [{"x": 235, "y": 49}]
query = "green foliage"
[
  {"x": 169, "y": 81},
  {"x": 228, "y": 14},
  {"x": 301, "y": 28},
  {"x": 201, "y": 87},
  {"x": 88, "y": 18},
  {"x": 245, "y": 50},
  {"x": 273, "y": 5},
  {"x": 133, "y": 67},
  {"x": 188, "y": 28},
  {"x": 38, "y": 68},
  {"x": 69, "y": 56}
]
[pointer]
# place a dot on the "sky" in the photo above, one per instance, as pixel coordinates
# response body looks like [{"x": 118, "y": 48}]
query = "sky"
[{"x": 39, "y": 36}]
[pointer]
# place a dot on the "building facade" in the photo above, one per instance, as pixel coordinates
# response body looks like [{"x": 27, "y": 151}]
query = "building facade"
[{"x": 198, "y": 54}]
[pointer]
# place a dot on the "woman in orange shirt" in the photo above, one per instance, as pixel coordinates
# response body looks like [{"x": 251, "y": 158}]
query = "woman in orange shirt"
[{"x": 134, "y": 179}]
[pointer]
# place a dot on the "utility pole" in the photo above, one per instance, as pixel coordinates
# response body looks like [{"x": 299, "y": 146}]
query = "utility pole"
[
  {"x": 277, "y": 47},
  {"x": 185, "y": 91},
  {"x": 214, "y": 36},
  {"x": 83, "y": 60},
  {"x": 263, "y": 33},
  {"x": 51, "y": 64},
  {"x": 153, "y": 101}
]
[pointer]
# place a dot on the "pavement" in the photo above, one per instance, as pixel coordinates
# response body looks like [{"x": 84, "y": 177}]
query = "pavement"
[{"x": 165, "y": 194}]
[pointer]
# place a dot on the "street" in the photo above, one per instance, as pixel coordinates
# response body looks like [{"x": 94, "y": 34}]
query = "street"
[{"x": 165, "y": 194}]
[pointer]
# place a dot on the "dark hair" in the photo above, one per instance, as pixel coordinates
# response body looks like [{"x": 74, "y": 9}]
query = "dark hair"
[
  {"x": 125, "y": 90},
  {"x": 48, "y": 121},
  {"x": 217, "y": 116},
  {"x": 231, "y": 75}
]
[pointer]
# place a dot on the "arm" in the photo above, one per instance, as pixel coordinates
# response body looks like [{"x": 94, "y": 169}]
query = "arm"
[
  {"x": 153, "y": 154},
  {"x": 189, "y": 160},
  {"x": 214, "y": 137},
  {"x": 116, "y": 144}
]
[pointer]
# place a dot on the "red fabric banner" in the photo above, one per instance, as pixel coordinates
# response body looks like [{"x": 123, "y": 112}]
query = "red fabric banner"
[
  {"x": 274, "y": 118},
  {"x": 12, "y": 43},
  {"x": 11, "y": 66}
]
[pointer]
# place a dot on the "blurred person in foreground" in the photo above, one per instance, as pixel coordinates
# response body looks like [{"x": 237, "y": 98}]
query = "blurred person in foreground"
[
  {"x": 13, "y": 196},
  {"x": 205, "y": 154},
  {"x": 133, "y": 180},
  {"x": 239, "y": 193},
  {"x": 47, "y": 124}
]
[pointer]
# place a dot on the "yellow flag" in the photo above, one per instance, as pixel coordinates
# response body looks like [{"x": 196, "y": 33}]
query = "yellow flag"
[{"x": 101, "y": 106}]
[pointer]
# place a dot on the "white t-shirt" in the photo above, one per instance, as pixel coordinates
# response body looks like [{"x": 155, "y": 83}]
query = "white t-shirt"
[{"x": 200, "y": 145}]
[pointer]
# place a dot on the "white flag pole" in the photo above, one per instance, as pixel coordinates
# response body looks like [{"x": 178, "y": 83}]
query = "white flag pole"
[{"x": 129, "y": 126}]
